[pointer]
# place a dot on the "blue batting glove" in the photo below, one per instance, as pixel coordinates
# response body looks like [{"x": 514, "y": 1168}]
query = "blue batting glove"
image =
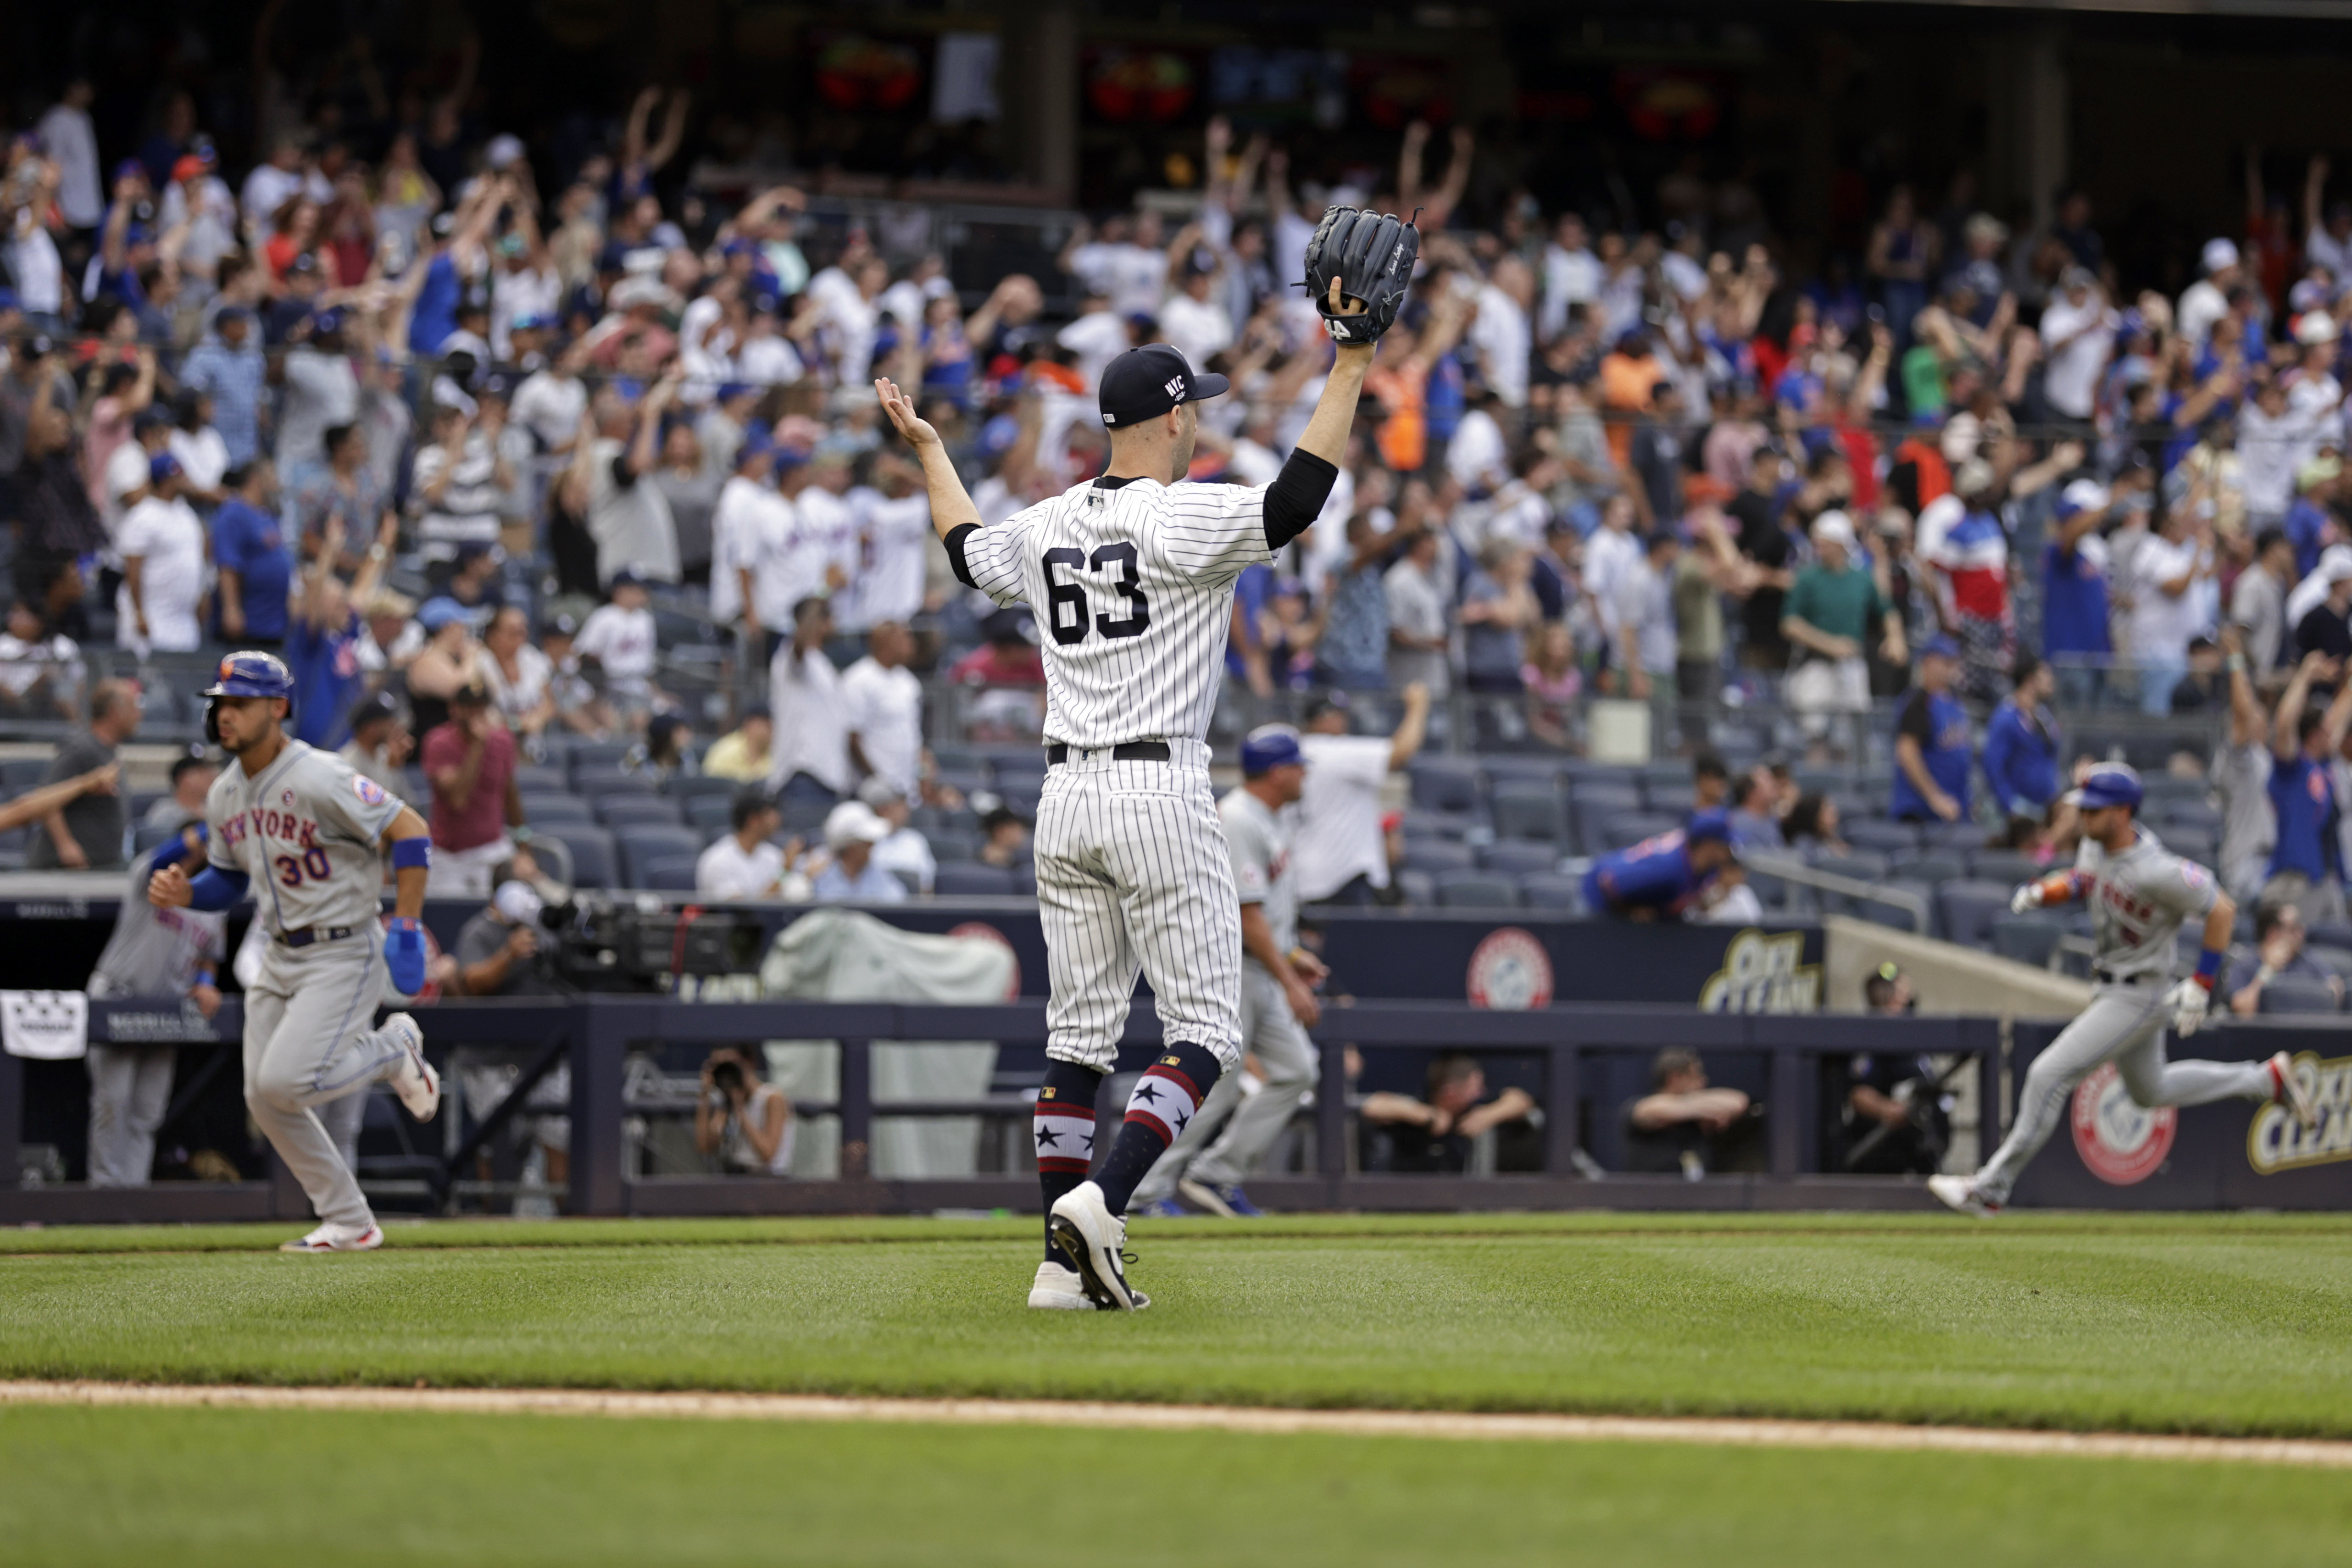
[{"x": 404, "y": 955}]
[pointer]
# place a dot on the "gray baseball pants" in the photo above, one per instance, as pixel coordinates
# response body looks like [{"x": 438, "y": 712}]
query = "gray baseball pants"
[
  {"x": 309, "y": 1042},
  {"x": 2124, "y": 1024},
  {"x": 1274, "y": 1035},
  {"x": 130, "y": 1089}
]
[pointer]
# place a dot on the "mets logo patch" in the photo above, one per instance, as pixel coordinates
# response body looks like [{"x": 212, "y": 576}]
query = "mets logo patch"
[
  {"x": 369, "y": 791},
  {"x": 2121, "y": 1140}
]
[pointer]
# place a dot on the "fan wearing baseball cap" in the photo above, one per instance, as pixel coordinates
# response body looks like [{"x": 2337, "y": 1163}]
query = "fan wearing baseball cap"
[
  {"x": 1932, "y": 752},
  {"x": 162, "y": 545}
]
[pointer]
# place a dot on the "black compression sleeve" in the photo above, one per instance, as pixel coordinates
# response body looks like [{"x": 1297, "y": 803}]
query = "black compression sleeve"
[
  {"x": 1296, "y": 497},
  {"x": 956, "y": 537}
]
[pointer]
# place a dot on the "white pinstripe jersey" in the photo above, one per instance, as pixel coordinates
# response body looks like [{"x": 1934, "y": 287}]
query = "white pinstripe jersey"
[
  {"x": 306, "y": 833},
  {"x": 1131, "y": 582}
]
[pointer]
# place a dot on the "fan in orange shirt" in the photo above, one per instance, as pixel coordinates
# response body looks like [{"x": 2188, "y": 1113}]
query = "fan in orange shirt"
[{"x": 1399, "y": 379}]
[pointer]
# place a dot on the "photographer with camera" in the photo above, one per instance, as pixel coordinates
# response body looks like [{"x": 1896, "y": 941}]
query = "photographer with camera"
[
  {"x": 499, "y": 951},
  {"x": 739, "y": 1117}
]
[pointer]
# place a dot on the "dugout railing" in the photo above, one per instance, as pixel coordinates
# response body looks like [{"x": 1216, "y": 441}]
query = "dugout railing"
[{"x": 597, "y": 1037}]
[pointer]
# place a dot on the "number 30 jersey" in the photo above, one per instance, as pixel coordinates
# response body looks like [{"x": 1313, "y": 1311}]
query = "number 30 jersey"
[
  {"x": 306, "y": 832},
  {"x": 1131, "y": 582}
]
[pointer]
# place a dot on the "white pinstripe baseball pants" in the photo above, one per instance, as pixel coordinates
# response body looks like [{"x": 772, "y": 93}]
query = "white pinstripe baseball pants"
[{"x": 1133, "y": 876}]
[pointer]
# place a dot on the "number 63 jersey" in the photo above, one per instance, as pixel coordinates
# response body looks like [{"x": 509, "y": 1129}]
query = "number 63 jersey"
[
  {"x": 306, "y": 832},
  {"x": 1131, "y": 582}
]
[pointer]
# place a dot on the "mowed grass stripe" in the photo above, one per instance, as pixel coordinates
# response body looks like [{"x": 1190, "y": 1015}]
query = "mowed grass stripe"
[
  {"x": 2201, "y": 1330},
  {"x": 199, "y": 1488}
]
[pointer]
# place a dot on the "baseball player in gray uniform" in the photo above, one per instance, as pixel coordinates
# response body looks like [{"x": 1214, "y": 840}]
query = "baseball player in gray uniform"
[
  {"x": 1131, "y": 577},
  {"x": 2140, "y": 894},
  {"x": 165, "y": 955},
  {"x": 309, "y": 836},
  {"x": 1278, "y": 1002}
]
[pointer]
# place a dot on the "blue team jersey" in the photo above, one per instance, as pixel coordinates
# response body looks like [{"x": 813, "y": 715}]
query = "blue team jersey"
[
  {"x": 2074, "y": 602},
  {"x": 249, "y": 542},
  {"x": 325, "y": 664},
  {"x": 1944, "y": 746},
  {"x": 1655, "y": 874},
  {"x": 2305, "y": 802}
]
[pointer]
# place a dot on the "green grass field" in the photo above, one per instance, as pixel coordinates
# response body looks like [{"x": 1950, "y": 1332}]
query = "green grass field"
[{"x": 2210, "y": 1325}]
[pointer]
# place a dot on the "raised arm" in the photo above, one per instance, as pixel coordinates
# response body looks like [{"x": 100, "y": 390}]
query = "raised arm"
[{"x": 952, "y": 504}]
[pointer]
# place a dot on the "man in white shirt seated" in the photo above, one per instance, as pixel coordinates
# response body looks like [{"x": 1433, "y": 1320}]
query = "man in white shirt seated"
[
  {"x": 850, "y": 835},
  {"x": 744, "y": 865}
]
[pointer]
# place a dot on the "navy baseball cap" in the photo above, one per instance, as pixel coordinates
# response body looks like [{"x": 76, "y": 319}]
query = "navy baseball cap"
[
  {"x": 161, "y": 466},
  {"x": 1939, "y": 647},
  {"x": 2109, "y": 784},
  {"x": 1143, "y": 383},
  {"x": 1268, "y": 747}
]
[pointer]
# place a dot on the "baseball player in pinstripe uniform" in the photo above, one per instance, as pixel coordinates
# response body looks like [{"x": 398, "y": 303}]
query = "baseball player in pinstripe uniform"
[
  {"x": 2140, "y": 894},
  {"x": 309, "y": 836},
  {"x": 1131, "y": 579},
  {"x": 1278, "y": 1002}
]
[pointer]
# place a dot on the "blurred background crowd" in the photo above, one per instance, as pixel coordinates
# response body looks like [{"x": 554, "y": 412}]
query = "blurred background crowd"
[{"x": 546, "y": 426}]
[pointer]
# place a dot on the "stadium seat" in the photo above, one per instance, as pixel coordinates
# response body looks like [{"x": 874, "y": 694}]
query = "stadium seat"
[
  {"x": 1541, "y": 771},
  {"x": 595, "y": 860},
  {"x": 147, "y": 835},
  {"x": 597, "y": 756},
  {"x": 1885, "y": 836},
  {"x": 1445, "y": 784},
  {"x": 1969, "y": 909},
  {"x": 951, "y": 845},
  {"x": 949, "y": 755},
  {"x": 2002, "y": 866},
  {"x": 2297, "y": 996},
  {"x": 1624, "y": 829},
  {"x": 1517, "y": 857},
  {"x": 633, "y": 810},
  {"x": 1901, "y": 917},
  {"x": 973, "y": 879},
  {"x": 1418, "y": 824},
  {"x": 1021, "y": 792},
  {"x": 1438, "y": 855},
  {"x": 2027, "y": 939},
  {"x": 1666, "y": 786},
  {"x": 1527, "y": 811},
  {"x": 709, "y": 817},
  {"x": 533, "y": 779},
  {"x": 668, "y": 874},
  {"x": 1553, "y": 890},
  {"x": 1932, "y": 868},
  {"x": 702, "y": 786},
  {"x": 2173, "y": 814},
  {"x": 640, "y": 845},
  {"x": 1590, "y": 805},
  {"x": 1419, "y": 888},
  {"x": 1476, "y": 891},
  {"x": 542, "y": 809},
  {"x": 594, "y": 782},
  {"x": 967, "y": 782},
  {"x": 1961, "y": 835},
  {"x": 1862, "y": 864},
  {"x": 19, "y": 774},
  {"x": 2194, "y": 843},
  {"x": 1821, "y": 780}
]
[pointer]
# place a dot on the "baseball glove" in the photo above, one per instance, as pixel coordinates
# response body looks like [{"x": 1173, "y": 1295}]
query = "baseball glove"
[{"x": 1372, "y": 255}]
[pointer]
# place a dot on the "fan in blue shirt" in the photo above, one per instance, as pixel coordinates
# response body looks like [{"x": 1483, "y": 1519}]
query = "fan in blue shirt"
[
  {"x": 1931, "y": 743},
  {"x": 256, "y": 567},
  {"x": 2022, "y": 743},
  {"x": 1662, "y": 878}
]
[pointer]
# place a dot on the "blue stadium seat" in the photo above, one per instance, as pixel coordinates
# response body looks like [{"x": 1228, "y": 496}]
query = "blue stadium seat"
[
  {"x": 1527, "y": 811},
  {"x": 595, "y": 860},
  {"x": 1517, "y": 857},
  {"x": 2003, "y": 866},
  {"x": 594, "y": 782},
  {"x": 533, "y": 779},
  {"x": 1624, "y": 829},
  {"x": 147, "y": 835},
  {"x": 1543, "y": 771},
  {"x": 1439, "y": 855},
  {"x": 1553, "y": 890},
  {"x": 2027, "y": 939},
  {"x": 1476, "y": 891},
  {"x": 1969, "y": 909},
  {"x": 973, "y": 879},
  {"x": 1666, "y": 786},
  {"x": 597, "y": 756},
  {"x": 2298, "y": 996},
  {"x": 702, "y": 786},
  {"x": 641, "y": 845},
  {"x": 668, "y": 874},
  {"x": 1419, "y": 888},
  {"x": 542, "y": 809},
  {"x": 710, "y": 817},
  {"x": 633, "y": 810},
  {"x": 1445, "y": 784},
  {"x": 1881, "y": 835}
]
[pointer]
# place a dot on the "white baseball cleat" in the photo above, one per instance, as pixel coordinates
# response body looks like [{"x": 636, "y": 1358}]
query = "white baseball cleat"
[
  {"x": 330, "y": 1238},
  {"x": 412, "y": 1077},
  {"x": 2288, "y": 1089},
  {"x": 1084, "y": 1228},
  {"x": 1058, "y": 1290},
  {"x": 1959, "y": 1194}
]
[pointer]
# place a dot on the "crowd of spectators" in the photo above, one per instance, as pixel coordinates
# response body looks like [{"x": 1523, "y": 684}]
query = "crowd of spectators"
[{"x": 475, "y": 439}]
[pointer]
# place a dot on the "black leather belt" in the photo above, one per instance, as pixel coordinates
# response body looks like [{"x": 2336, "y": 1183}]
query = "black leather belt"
[
  {"x": 309, "y": 935},
  {"x": 2139, "y": 977},
  {"x": 1056, "y": 753}
]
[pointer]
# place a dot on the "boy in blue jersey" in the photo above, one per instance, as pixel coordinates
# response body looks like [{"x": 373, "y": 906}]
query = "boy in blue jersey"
[
  {"x": 2306, "y": 866},
  {"x": 2022, "y": 743},
  {"x": 1665, "y": 877}
]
